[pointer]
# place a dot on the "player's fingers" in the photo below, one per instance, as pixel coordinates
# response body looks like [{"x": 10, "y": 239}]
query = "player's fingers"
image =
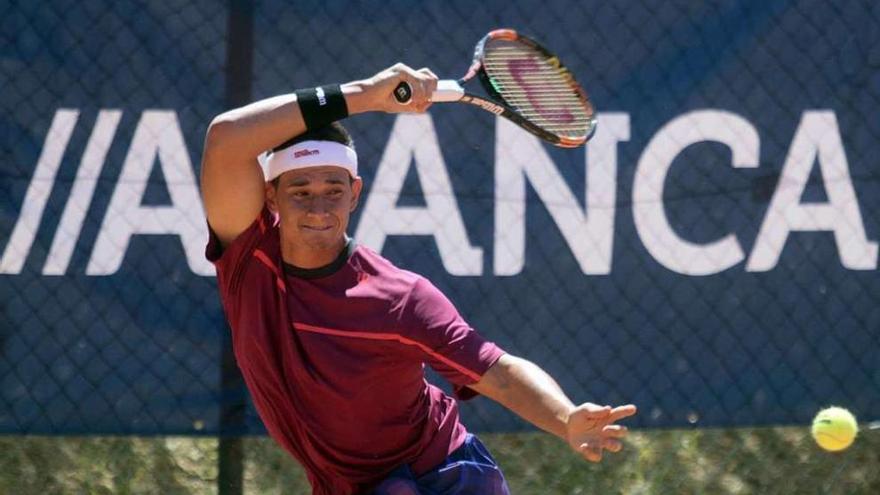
[
  {"x": 592, "y": 454},
  {"x": 424, "y": 101},
  {"x": 403, "y": 69},
  {"x": 421, "y": 107},
  {"x": 614, "y": 431},
  {"x": 402, "y": 73},
  {"x": 420, "y": 94},
  {"x": 430, "y": 78},
  {"x": 428, "y": 86},
  {"x": 612, "y": 445},
  {"x": 621, "y": 412},
  {"x": 429, "y": 72},
  {"x": 593, "y": 411},
  {"x": 421, "y": 84}
]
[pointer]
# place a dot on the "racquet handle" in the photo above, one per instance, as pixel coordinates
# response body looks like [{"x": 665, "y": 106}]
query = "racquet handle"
[{"x": 448, "y": 90}]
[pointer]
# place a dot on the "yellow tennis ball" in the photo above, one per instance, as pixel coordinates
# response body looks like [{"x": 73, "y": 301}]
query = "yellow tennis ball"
[{"x": 834, "y": 428}]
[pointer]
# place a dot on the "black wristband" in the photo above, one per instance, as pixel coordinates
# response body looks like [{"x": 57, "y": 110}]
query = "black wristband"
[{"x": 321, "y": 106}]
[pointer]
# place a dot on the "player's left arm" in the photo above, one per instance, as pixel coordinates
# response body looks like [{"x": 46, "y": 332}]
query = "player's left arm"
[{"x": 526, "y": 389}]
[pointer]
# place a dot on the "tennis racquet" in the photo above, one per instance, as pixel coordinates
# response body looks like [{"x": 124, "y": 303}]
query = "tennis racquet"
[{"x": 526, "y": 84}]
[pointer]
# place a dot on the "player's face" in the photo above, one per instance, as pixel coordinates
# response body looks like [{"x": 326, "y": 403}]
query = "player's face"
[{"x": 314, "y": 205}]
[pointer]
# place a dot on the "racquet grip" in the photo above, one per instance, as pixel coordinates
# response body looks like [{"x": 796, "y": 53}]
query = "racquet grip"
[{"x": 448, "y": 90}]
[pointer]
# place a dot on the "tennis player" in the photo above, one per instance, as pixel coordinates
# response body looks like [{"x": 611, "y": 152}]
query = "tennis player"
[{"x": 331, "y": 337}]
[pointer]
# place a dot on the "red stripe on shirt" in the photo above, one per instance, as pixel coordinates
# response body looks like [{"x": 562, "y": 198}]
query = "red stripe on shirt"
[
  {"x": 260, "y": 255},
  {"x": 387, "y": 336}
]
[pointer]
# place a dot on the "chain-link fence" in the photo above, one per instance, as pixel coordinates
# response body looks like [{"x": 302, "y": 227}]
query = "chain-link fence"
[{"x": 710, "y": 256}]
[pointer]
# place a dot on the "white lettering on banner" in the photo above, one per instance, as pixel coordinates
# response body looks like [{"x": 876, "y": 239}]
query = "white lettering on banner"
[
  {"x": 816, "y": 138},
  {"x": 68, "y": 230},
  {"x": 657, "y": 234},
  {"x": 414, "y": 140},
  {"x": 589, "y": 232},
  {"x": 37, "y": 195},
  {"x": 158, "y": 134},
  {"x": 520, "y": 160}
]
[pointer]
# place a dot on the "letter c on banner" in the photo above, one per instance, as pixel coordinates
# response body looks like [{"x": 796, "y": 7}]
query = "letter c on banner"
[{"x": 653, "y": 226}]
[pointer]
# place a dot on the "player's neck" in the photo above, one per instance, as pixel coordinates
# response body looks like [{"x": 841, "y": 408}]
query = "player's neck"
[{"x": 302, "y": 255}]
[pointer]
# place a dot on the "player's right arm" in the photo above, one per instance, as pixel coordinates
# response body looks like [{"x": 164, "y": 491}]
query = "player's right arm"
[{"x": 233, "y": 187}]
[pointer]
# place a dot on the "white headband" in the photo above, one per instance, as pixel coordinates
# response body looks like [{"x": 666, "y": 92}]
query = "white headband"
[{"x": 308, "y": 154}]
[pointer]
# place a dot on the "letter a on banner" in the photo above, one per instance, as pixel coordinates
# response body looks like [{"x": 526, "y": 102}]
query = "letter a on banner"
[
  {"x": 817, "y": 138},
  {"x": 413, "y": 139},
  {"x": 158, "y": 134}
]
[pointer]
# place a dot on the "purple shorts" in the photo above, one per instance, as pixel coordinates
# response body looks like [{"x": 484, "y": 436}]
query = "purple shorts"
[{"x": 470, "y": 470}]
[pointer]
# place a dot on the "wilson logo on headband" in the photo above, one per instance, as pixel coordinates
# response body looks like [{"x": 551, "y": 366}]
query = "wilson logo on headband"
[{"x": 302, "y": 153}]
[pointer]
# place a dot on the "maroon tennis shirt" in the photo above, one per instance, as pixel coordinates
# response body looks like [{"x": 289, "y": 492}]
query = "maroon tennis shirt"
[{"x": 334, "y": 358}]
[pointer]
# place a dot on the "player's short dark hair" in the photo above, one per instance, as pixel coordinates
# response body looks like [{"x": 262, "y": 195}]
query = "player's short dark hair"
[{"x": 333, "y": 132}]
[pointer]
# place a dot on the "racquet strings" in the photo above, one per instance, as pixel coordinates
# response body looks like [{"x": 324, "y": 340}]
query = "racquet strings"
[{"x": 541, "y": 91}]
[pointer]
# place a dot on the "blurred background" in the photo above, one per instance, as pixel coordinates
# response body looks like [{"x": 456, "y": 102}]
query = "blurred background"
[{"x": 710, "y": 256}]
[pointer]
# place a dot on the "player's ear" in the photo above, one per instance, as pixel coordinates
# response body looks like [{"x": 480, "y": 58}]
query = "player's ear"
[
  {"x": 271, "y": 196},
  {"x": 357, "y": 185}
]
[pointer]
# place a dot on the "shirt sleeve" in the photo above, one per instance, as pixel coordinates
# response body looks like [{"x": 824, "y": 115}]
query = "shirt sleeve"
[
  {"x": 231, "y": 261},
  {"x": 449, "y": 345}
]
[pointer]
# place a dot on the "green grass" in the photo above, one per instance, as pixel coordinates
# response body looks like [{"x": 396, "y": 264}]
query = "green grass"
[{"x": 761, "y": 461}]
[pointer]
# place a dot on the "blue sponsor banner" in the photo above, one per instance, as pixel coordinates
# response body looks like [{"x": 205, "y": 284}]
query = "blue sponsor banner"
[{"x": 710, "y": 256}]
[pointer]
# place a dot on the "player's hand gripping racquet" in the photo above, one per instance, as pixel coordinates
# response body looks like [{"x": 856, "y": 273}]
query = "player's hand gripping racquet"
[{"x": 526, "y": 84}]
